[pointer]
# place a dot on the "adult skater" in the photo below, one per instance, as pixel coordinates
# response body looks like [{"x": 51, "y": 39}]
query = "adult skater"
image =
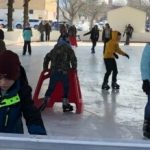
[
  {"x": 94, "y": 37},
  {"x": 145, "y": 73},
  {"x": 111, "y": 48},
  {"x": 128, "y": 32}
]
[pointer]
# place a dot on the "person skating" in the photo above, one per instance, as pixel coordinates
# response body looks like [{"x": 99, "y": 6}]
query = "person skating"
[
  {"x": 106, "y": 34},
  {"x": 128, "y": 32},
  {"x": 94, "y": 36},
  {"x": 111, "y": 50},
  {"x": 145, "y": 74},
  {"x": 16, "y": 98},
  {"x": 27, "y": 34},
  {"x": 62, "y": 58},
  {"x": 72, "y": 33}
]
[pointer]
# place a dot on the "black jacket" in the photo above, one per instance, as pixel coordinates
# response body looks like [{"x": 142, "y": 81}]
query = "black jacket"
[{"x": 94, "y": 34}]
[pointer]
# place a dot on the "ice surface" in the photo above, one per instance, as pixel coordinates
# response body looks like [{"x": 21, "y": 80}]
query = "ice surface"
[{"x": 113, "y": 115}]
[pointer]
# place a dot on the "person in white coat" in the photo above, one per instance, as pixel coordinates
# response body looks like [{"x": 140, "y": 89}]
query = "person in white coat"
[{"x": 145, "y": 74}]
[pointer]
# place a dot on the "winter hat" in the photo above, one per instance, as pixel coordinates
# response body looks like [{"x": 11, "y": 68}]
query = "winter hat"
[{"x": 9, "y": 65}]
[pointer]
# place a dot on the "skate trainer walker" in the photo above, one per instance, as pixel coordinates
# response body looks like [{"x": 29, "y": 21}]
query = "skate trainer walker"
[{"x": 74, "y": 91}]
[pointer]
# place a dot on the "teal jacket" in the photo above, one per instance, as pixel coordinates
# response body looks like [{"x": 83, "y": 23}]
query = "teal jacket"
[
  {"x": 145, "y": 63},
  {"x": 27, "y": 34}
]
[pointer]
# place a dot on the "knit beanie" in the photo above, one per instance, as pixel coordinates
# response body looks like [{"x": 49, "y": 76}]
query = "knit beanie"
[{"x": 9, "y": 65}]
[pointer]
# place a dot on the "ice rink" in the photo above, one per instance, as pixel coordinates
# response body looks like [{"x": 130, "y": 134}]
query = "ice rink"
[{"x": 113, "y": 116}]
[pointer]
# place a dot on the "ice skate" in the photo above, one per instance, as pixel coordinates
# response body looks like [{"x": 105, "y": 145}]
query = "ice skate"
[
  {"x": 66, "y": 106},
  {"x": 105, "y": 86},
  {"x": 115, "y": 85},
  {"x": 92, "y": 51},
  {"x": 146, "y": 129}
]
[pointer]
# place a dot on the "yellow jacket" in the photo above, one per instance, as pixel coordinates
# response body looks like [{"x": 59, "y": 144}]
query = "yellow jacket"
[{"x": 112, "y": 46}]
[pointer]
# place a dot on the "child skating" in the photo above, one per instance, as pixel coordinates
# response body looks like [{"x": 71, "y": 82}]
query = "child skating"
[{"x": 111, "y": 50}]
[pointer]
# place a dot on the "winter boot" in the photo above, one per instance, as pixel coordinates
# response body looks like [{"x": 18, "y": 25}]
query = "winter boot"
[
  {"x": 105, "y": 86},
  {"x": 115, "y": 85},
  {"x": 66, "y": 106},
  {"x": 92, "y": 50},
  {"x": 146, "y": 129}
]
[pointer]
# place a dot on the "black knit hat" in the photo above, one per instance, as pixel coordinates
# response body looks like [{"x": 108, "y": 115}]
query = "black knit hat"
[{"x": 9, "y": 65}]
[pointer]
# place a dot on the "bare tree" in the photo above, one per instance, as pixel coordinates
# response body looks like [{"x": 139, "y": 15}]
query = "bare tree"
[
  {"x": 70, "y": 8},
  {"x": 93, "y": 10},
  {"x": 26, "y": 10},
  {"x": 10, "y": 14}
]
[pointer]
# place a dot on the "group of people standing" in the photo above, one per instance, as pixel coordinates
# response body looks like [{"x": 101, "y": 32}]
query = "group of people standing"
[{"x": 44, "y": 29}]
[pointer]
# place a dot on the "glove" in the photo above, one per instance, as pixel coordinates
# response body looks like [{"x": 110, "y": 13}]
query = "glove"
[
  {"x": 146, "y": 86},
  {"x": 116, "y": 56},
  {"x": 126, "y": 55}
]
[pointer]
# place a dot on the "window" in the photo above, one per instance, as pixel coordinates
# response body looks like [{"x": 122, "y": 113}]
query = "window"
[{"x": 31, "y": 11}]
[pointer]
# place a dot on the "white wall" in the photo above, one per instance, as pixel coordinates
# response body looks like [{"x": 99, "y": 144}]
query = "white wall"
[
  {"x": 16, "y": 36},
  {"x": 120, "y": 17}
]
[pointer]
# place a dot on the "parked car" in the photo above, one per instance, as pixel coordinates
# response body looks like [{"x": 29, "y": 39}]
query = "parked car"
[
  {"x": 147, "y": 27},
  {"x": 56, "y": 25},
  {"x": 3, "y": 23},
  {"x": 34, "y": 23}
]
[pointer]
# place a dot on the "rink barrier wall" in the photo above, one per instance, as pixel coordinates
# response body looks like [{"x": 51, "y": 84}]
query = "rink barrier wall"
[
  {"x": 51, "y": 143},
  {"x": 16, "y": 36}
]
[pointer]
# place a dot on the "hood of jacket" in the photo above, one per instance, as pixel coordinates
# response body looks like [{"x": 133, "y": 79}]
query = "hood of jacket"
[
  {"x": 114, "y": 36},
  {"x": 112, "y": 46}
]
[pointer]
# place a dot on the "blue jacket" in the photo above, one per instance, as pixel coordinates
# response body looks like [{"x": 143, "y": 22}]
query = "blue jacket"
[
  {"x": 27, "y": 34},
  {"x": 11, "y": 116},
  {"x": 145, "y": 63}
]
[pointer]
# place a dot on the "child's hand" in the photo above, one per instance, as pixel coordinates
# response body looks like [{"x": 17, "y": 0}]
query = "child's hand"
[{"x": 116, "y": 56}]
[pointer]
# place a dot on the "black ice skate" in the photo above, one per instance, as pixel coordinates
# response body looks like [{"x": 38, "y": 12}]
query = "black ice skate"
[
  {"x": 146, "y": 129},
  {"x": 92, "y": 51},
  {"x": 67, "y": 108},
  {"x": 105, "y": 87},
  {"x": 115, "y": 85}
]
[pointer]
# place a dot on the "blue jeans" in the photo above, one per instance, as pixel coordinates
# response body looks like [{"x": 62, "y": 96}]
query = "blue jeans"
[
  {"x": 55, "y": 77},
  {"x": 147, "y": 109}
]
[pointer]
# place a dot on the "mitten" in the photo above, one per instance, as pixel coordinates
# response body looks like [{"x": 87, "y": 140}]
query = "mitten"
[
  {"x": 116, "y": 56},
  {"x": 126, "y": 55}
]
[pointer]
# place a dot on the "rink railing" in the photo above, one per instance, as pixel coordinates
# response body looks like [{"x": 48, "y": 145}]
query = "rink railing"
[{"x": 41, "y": 143}]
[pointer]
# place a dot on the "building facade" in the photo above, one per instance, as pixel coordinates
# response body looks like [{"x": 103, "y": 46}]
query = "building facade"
[{"x": 38, "y": 9}]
